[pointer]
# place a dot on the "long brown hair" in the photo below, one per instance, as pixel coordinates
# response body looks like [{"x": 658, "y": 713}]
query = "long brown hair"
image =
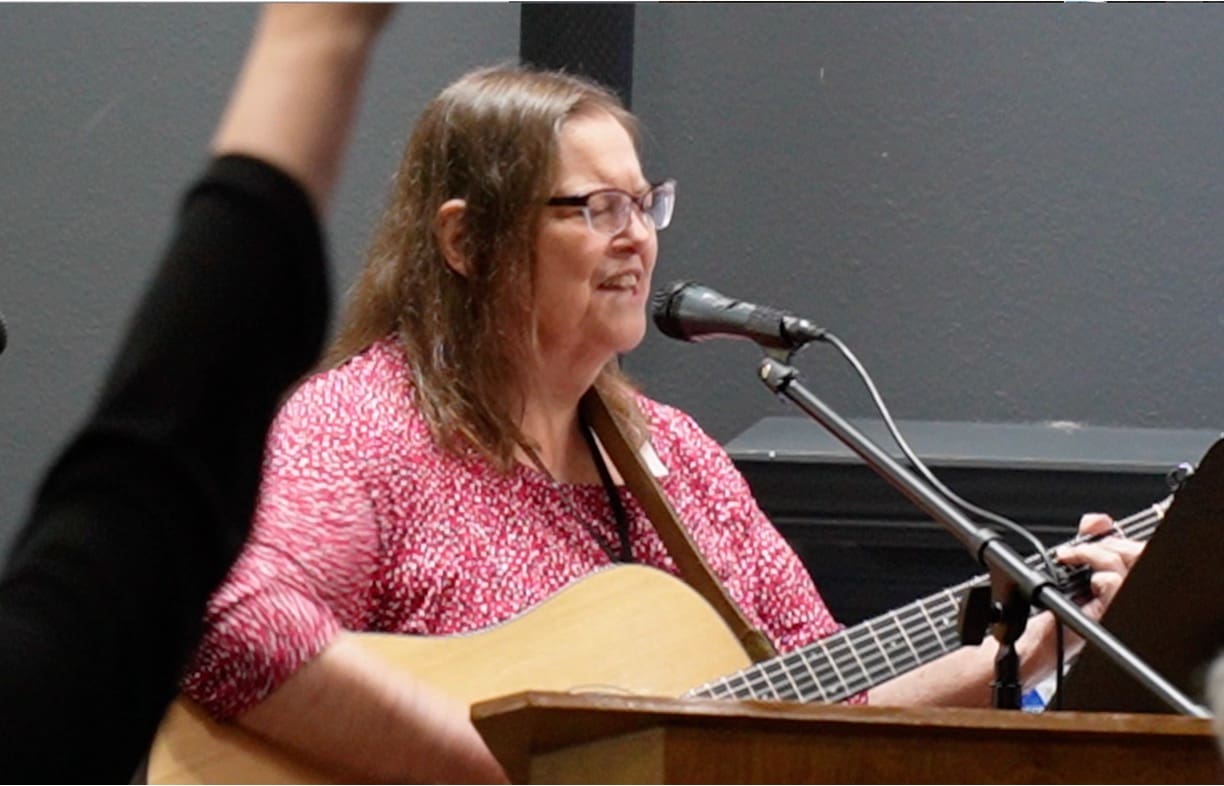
[{"x": 490, "y": 138}]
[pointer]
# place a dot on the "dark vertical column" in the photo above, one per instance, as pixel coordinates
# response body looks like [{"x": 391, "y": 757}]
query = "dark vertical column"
[{"x": 594, "y": 40}]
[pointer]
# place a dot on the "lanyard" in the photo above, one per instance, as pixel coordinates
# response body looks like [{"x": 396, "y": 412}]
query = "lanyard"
[{"x": 614, "y": 498}]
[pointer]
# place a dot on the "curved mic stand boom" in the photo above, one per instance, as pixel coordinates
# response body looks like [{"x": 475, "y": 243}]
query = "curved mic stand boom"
[{"x": 1014, "y": 585}]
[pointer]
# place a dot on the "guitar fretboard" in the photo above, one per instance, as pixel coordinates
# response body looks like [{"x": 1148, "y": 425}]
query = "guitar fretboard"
[{"x": 863, "y": 656}]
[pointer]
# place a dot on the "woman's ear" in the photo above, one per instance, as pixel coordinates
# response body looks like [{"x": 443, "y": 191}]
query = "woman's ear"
[{"x": 450, "y": 228}]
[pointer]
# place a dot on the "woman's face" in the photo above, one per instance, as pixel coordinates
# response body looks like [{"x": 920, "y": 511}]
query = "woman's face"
[{"x": 591, "y": 288}]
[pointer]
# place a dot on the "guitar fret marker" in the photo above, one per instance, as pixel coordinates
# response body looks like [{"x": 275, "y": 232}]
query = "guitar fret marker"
[
  {"x": 807, "y": 665},
  {"x": 883, "y": 649}
]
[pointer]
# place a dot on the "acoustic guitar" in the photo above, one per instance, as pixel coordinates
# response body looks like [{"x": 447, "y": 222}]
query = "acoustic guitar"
[{"x": 625, "y": 629}]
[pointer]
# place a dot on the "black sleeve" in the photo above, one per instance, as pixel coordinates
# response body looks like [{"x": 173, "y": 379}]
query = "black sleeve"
[{"x": 140, "y": 517}]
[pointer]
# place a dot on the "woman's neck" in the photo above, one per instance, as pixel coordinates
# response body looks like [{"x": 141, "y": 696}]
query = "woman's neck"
[{"x": 550, "y": 422}]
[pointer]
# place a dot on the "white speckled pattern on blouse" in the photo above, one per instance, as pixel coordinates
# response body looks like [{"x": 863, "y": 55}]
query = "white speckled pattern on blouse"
[{"x": 364, "y": 524}]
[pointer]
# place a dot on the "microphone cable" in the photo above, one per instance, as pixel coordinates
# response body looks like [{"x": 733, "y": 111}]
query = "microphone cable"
[{"x": 917, "y": 463}]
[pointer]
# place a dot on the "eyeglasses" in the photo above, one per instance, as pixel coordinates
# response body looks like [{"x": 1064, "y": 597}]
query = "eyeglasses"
[{"x": 607, "y": 210}]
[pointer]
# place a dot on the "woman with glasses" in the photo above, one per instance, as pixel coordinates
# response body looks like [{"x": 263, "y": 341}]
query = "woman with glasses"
[{"x": 436, "y": 477}]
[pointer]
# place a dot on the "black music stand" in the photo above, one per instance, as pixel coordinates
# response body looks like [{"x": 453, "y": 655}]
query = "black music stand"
[{"x": 1170, "y": 610}]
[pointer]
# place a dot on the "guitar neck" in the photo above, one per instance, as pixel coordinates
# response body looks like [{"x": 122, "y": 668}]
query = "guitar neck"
[{"x": 870, "y": 653}]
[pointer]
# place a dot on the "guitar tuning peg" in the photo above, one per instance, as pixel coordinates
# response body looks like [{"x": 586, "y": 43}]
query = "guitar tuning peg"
[{"x": 1178, "y": 475}]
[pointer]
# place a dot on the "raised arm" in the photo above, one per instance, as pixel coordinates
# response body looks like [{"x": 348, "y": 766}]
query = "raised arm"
[
  {"x": 297, "y": 94},
  {"x": 146, "y": 508}
]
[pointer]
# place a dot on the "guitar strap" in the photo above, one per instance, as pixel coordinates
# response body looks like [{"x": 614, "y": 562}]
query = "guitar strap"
[{"x": 688, "y": 559}]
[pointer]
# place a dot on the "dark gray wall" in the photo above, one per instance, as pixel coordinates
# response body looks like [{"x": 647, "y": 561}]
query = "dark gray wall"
[
  {"x": 107, "y": 113},
  {"x": 1011, "y": 213}
]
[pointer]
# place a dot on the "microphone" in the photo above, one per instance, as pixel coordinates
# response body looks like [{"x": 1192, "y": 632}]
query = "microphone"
[
  {"x": 3, "y": 335},
  {"x": 692, "y": 312}
]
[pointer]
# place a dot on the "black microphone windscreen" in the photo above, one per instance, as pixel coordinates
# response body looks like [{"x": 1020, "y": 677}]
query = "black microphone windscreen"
[{"x": 662, "y": 304}]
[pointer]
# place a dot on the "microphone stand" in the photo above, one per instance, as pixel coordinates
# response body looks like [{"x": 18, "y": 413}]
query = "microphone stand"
[{"x": 1013, "y": 584}]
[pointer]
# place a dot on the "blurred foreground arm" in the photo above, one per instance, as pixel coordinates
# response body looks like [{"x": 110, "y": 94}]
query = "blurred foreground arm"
[
  {"x": 141, "y": 516},
  {"x": 297, "y": 94}
]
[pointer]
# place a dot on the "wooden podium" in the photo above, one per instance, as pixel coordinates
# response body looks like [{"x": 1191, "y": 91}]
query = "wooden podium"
[{"x": 543, "y": 737}]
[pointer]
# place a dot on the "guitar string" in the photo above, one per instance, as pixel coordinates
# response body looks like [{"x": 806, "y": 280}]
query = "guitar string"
[
  {"x": 942, "y": 643},
  {"x": 925, "y": 643},
  {"x": 905, "y": 633},
  {"x": 829, "y": 657},
  {"x": 923, "y": 638},
  {"x": 926, "y": 647},
  {"x": 752, "y": 679}
]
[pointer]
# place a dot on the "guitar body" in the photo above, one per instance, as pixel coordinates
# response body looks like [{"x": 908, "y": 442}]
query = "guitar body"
[{"x": 629, "y": 629}]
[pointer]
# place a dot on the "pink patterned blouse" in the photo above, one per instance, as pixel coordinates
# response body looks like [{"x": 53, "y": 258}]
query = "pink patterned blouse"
[{"x": 364, "y": 524}]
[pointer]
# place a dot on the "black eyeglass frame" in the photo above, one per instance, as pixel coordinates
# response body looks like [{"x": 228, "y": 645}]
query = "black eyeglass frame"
[{"x": 583, "y": 201}]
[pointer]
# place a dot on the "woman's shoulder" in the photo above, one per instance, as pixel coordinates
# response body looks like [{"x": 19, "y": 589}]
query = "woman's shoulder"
[
  {"x": 671, "y": 428},
  {"x": 374, "y": 384},
  {"x": 374, "y": 368},
  {"x": 691, "y": 456}
]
